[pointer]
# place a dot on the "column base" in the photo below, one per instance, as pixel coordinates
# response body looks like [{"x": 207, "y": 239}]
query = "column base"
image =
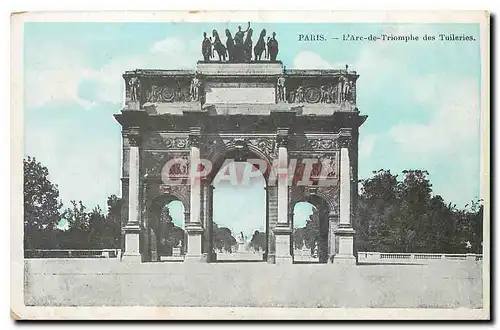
[
  {"x": 132, "y": 257},
  {"x": 154, "y": 256},
  {"x": 195, "y": 259},
  {"x": 194, "y": 244},
  {"x": 344, "y": 259},
  {"x": 283, "y": 260},
  {"x": 132, "y": 241},
  {"x": 283, "y": 239},
  {"x": 345, "y": 237}
]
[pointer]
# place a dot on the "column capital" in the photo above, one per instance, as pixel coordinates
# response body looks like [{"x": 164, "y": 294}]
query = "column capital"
[
  {"x": 193, "y": 227},
  {"x": 333, "y": 216},
  {"x": 195, "y": 136},
  {"x": 311, "y": 190},
  {"x": 345, "y": 137},
  {"x": 282, "y": 137},
  {"x": 283, "y": 228},
  {"x": 133, "y": 136}
]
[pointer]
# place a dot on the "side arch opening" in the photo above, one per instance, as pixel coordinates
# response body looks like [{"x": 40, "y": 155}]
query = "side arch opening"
[
  {"x": 310, "y": 230},
  {"x": 166, "y": 221}
]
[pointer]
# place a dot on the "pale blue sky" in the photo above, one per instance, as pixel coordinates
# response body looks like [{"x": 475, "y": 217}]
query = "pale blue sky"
[{"x": 422, "y": 99}]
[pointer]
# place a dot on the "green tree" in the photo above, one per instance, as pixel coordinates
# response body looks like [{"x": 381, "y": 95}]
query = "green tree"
[
  {"x": 403, "y": 216},
  {"x": 411, "y": 225},
  {"x": 309, "y": 235},
  {"x": 87, "y": 229},
  {"x": 378, "y": 204},
  {"x": 79, "y": 223},
  {"x": 92, "y": 229},
  {"x": 470, "y": 226},
  {"x": 171, "y": 235},
  {"x": 41, "y": 206},
  {"x": 311, "y": 231},
  {"x": 112, "y": 229},
  {"x": 258, "y": 241},
  {"x": 97, "y": 234},
  {"x": 476, "y": 223},
  {"x": 298, "y": 238},
  {"x": 222, "y": 239}
]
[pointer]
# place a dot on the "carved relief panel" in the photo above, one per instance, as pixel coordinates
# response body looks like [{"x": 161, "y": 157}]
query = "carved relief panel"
[
  {"x": 216, "y": 144},
  {"x": 340, "y": 89},
  {"x": 318, "y": 142},
  {"x": 171, "y": 87},
  {"x": 173, "y": 165},
  {"x": 316, "y": 168},
  {"x": 162, "y": 140}
]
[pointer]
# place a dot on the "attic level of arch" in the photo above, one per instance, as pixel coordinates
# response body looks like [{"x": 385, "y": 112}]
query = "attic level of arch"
[{"x": 198, "y": 89}]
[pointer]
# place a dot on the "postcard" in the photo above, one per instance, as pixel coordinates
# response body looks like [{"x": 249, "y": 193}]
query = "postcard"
[{"x": 250, "y": 165}]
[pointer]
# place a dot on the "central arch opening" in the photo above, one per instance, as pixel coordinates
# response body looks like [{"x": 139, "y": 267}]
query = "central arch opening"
[{"x": 239, "y": 212}]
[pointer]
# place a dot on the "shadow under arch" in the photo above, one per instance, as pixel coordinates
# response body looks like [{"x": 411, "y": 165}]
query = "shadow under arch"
[{"x": 321, "y": 209}]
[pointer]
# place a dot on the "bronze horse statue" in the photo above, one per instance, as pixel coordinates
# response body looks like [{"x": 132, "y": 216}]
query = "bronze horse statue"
[
  {"x": 260, "y": 46},
  {"x": 218, "y": 46}
]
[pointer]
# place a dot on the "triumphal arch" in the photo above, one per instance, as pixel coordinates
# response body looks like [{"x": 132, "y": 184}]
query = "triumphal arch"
[{"x": 180, "y": 126}]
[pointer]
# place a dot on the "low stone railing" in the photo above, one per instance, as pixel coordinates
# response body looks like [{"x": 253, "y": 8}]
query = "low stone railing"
[
  {"x": 416, "y": 258},
  {"x": 70, "y": 253}
]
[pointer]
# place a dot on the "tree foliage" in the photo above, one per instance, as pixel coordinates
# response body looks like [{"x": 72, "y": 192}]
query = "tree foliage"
[
  {"x": 170, "y": 235},
  {"x": 222, "y": 239},
  {"x": 92, "y": 229},
  {"x": 258, "y": 241},
  {"x": 41, "y": 205},
  {"x": 87, "y": 229},
  {"x": 309, "y": 235},
  {"x": 402, "y": 215},
  {"x": 112, "y": 231}
]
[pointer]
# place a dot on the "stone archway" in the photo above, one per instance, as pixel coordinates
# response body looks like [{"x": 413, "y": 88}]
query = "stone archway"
[
  {"x": 164, "y": 234},
  {"x": 319, "y": 224},
  {"x": 229, "y": 163},
  {"x": 277, "y": 132}
]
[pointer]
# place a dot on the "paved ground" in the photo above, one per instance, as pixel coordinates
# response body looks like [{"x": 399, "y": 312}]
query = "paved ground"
[{"x": 63, "y": 282}]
